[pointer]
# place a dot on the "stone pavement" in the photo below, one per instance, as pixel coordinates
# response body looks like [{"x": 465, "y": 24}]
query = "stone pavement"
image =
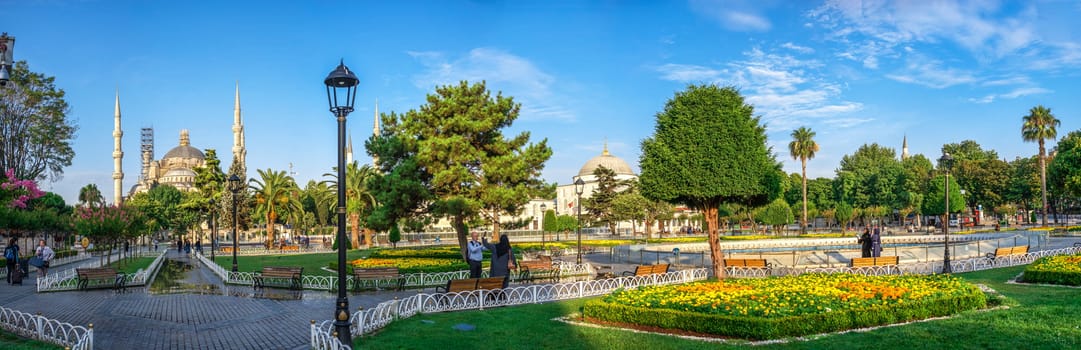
[{"x": 223, "y": 317}]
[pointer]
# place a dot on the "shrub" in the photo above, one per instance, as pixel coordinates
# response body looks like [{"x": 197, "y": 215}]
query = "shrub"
[
  {"x": 1060, "y": 269},
  {"x": 773, "y": 308}
]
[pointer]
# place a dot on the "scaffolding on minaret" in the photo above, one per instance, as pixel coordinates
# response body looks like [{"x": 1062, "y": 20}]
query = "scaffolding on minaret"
[{"x": 146, "y": 147}]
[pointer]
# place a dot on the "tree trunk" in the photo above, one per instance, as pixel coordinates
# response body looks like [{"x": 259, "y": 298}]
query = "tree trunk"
[
  {"x": 649, "y": 229},
  {"x": 495, "y": 226},
  {"x": 458, "y": 222},
  {"x": 354, "y": 222},
  {"x": 1043, "y": 183},
  {"x": 803, "y": 222},
  {"x": 717, "y": 256},
  {"x": 369, "y": 237},
  {"x": 270, "y": 217}
]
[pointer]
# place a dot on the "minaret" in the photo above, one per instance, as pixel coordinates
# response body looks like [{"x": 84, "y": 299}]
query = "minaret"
[
  {"x": 375, "y": 131},
  {"x": 118, "y": 155},
  {"x": 904, "y": 148},
  {"x": 349, "y": 151},
  {"x": 239, "y": 152}
]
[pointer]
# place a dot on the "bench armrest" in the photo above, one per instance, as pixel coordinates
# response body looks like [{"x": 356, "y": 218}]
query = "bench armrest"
[
  {"x": 990, "y": 255},
  {"x": 628, "y": 273}
]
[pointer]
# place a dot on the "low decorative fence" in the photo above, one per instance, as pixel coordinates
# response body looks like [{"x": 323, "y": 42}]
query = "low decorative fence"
[
  {"x": 923, "y": 268},
  {"x": 47, "y": 330},
  {"x": 370, "y": 320},
  {"x": 67, "y": 279},
  {"x": 249, "y": 251},
  {"x": 413, "y": 280}
]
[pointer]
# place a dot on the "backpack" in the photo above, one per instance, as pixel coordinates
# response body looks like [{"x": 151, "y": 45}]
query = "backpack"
[{"x": 9, "y": 253}]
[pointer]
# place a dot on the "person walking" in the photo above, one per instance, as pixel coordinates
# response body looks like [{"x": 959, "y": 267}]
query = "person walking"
[
  {"x": 865, "y": 243},
  {"x": 502, "y": 257},
  {"x": 46, "y": 255},
  {"x": 11, "y": 255},
  {"x": 475, "y": 253}
]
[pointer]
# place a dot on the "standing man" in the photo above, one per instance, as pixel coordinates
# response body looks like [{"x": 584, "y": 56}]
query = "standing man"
[{"x": 475, "y": 252}]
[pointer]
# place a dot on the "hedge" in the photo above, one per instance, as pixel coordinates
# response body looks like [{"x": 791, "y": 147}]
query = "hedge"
[{"x": 762, "y": 328}]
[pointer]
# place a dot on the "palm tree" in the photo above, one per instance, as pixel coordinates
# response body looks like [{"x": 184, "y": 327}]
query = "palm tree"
[
  {"x": 273, "y": 196},
  {"x": 357, "y": 197},
  {"x": 90, "y": 195},
  {"x": 803, "y": 147},
  {"x": 1040, "y": 125}
]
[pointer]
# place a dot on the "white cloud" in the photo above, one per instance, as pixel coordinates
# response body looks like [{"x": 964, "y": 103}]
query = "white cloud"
[
  {"x": 687, "y": 72},
  {"x": 514, "y": 75},
  {"x": 990, "y": 31},
  {"x": 931, "y": 73},
  {"x": 733, "y": 14},
  {"x": 1015, "y": 93},
  {"x": 797, "y": 48},
  {"x": 786, "y": 91}
]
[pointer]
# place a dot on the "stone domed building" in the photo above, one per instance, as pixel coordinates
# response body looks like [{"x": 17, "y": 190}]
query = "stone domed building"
[
  {"x": 176, "y": 168},
  {"x": 566, "y": 198}
]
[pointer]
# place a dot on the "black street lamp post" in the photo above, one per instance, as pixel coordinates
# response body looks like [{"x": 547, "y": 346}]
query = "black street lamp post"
[
  {"x": 234, "y": 187},
  {"x": 213, "y": 229},
  {"x": 947, "y": 162},
  {"x": 579, "y": 186},
  {"x": 543, "y": 233},
  {"x": 341, "y": 81}
]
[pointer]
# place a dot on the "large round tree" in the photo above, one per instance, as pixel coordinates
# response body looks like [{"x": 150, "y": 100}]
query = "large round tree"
[{"x": 708, "y": 149}]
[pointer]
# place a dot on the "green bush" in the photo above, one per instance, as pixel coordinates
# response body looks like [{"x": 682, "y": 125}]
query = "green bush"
[
  {"x": 1060, "y": 269},
  {"x": 760, "y": 328},
  {"x": 348, "y": 244}
]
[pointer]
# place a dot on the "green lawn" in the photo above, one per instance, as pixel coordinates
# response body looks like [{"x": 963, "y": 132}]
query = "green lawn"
[
  {"x": 10, "y": 341},
  {"x": 1040, "y": 318},
  {"x": 313, "y": 263},
  {"x": 128, "y": 266}
]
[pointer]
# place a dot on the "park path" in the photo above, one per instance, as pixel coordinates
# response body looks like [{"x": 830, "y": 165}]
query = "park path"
[{"x": 222, "y": 317}]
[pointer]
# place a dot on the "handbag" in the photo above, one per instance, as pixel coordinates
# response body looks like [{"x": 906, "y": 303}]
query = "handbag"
[{"x": 36, "y": 262}]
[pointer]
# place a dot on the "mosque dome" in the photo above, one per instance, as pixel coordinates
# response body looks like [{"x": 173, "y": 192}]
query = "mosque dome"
[
  {"x": 616, "y": 164},
  {"x": 185, "y": 150}
]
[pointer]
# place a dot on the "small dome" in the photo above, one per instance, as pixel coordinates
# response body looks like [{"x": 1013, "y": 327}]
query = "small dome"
[
  {"x": 616, "y": 164},
  {"x": 179, "y": 172}
]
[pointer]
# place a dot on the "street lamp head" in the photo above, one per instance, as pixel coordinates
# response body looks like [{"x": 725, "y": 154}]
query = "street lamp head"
[
  {"x": 579, "y": 186},
  {"x": 234, "y": 183},
  {"x": 544, "y": 207},
  {"x": 212, "y": 202},
  {"x": 4, "y": 76},
  {"x": 341, "y": 81},
  {"x": 946, "y": 161}
]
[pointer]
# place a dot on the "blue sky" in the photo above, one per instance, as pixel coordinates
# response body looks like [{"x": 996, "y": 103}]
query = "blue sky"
[{"x": 855, "y": 72}]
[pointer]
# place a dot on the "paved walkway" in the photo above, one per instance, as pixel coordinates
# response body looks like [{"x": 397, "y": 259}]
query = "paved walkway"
[
  {"x": 206, "y": 314},
  {"x": 225, "y": 317}
]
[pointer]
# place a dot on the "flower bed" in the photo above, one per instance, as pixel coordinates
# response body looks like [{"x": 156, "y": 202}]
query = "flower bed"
[
  {"x": 777, "y": 307},
  {"x": 1059, "y": 269},
  {"x": 413, "y": 265}
]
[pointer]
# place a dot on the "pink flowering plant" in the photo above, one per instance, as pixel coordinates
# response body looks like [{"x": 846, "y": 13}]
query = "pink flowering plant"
[{"x": 15, "y": 192}]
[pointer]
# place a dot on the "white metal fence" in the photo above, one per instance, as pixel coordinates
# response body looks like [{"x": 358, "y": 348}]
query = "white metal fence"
[
  {"x": 413, "y": 280},
  {"x": 923, "y": 268},
  {"x": 367, "y": 321},
  {"x": 47, "y": 330},
  {"x": 66, "y": 279}
]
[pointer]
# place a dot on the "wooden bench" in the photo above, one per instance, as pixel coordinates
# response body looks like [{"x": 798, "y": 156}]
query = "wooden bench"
[
  {"x": 293, "y": 248},
  {"x": 542, "y": 268},
  {"x": 226, "y": 249},
  {"x": 747, "y": 263},
  {"x": 376, "y": 274},
  {"x": 471, "y": 284},
  {"x": 879, "y": 261},
  {"x": 289, "y": 274},
  {"x": 646, "y": 270},
  {"x": 1001, "y": 252},
  {"x": 99, "y": 275}
]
